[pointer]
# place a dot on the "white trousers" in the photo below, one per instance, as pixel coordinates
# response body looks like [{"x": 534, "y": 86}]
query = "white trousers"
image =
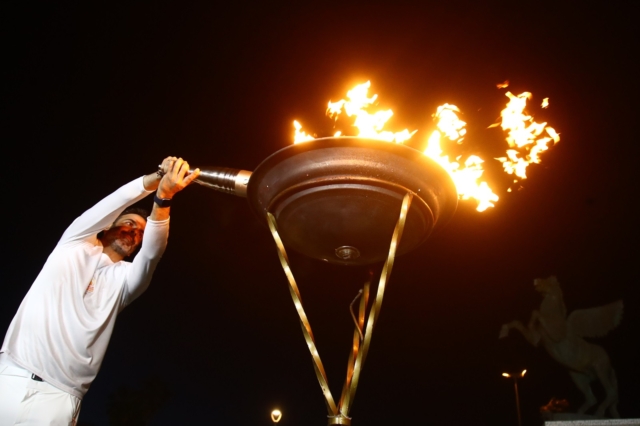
[{"x": 27, "y": 402}]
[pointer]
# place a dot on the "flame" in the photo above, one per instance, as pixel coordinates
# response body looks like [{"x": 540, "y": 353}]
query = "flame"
[
  {"x": 465, "y": 178},
  {"x": 526, "y": 138},
  {"x": 368, "y": 125},
  {"x": 449, "y": 123},
  {"x": 300, "y": 136}
]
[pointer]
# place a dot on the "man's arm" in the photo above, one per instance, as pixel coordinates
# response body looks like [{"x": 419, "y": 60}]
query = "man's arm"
[
  {"x": 175, "y": 179},
  {"x": 102, "y": 214}
]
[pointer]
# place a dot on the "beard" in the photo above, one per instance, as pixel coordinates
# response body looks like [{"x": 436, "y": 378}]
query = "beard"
[
  {"x": 123, "y": 247},
  {"x": 123, "y": 244}
]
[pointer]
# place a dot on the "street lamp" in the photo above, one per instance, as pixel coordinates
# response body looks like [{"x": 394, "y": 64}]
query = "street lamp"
[
  {"x": 515, "y": 384},
  {"x": 276, "y": 415}
]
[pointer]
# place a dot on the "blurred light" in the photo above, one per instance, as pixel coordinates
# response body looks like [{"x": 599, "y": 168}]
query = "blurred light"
[{"x": 276, "y": 415}]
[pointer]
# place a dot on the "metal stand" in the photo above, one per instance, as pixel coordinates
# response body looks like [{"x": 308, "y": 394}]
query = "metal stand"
[{"x": 339, "y": 414}]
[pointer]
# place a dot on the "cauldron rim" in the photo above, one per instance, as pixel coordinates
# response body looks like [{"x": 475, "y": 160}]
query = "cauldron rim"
[{"x": 354, "y": 160}]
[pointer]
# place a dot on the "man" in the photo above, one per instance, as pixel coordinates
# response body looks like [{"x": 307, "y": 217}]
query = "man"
[{"x": 56, "y": 342}]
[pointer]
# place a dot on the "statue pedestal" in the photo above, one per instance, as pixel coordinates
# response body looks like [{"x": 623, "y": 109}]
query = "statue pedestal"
[{"x": 573, "y": 419}]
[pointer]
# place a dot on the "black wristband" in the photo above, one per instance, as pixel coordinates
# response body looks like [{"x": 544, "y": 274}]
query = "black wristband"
[{"x": 161, "y": 202}]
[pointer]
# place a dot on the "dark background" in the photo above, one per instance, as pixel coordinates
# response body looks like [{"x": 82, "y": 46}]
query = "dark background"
[{"x": 96, "y": 95}]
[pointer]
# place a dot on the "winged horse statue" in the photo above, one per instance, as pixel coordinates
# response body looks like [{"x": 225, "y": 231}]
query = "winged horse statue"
[{"x": 562, "y": 337}]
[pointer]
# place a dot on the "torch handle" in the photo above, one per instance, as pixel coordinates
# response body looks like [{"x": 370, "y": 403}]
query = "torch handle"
[
  {"x": 231, "y": 181},
  {"x": 224, "y": 179}
]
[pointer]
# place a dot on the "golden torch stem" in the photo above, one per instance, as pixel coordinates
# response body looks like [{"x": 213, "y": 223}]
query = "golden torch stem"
[
  {"x": 350, "y": 390},
  {"x": 304, "y": 321},
  {"x": 339, "y": 414}
]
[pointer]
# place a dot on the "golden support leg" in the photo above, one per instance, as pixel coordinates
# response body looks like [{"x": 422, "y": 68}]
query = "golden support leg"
[{"x": 339, "y": 414}]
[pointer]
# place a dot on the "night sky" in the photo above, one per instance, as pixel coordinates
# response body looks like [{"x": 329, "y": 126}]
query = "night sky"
[{"x": 94, "y": 96}]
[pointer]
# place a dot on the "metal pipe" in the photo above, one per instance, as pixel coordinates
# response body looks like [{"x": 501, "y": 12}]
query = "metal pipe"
[
  {"x": 515, "y": 384},
  {"x": 225, "y": 179}
]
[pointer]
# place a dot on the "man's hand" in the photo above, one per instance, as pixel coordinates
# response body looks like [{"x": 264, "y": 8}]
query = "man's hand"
[
  {"x": 152, "y": 180},
  {"x": 176, "y": 177}
]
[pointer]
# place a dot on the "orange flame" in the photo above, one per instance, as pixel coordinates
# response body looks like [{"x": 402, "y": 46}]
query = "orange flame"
[
  {"x": 526, "y": 138},
  {"x": 300, "y": 136},
  {"x": 369, "y": 125},
  {"x": 466, "y": 178}
]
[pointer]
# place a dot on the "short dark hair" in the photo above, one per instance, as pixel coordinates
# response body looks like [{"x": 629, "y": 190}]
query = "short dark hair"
[{"x": 140, "y": 211}]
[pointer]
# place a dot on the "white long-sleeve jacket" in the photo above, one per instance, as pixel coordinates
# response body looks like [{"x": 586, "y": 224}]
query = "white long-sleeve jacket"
[{"x": 64, "y": 324}]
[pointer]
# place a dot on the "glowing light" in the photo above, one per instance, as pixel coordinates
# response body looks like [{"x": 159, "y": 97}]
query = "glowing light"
[
  {"x": 449, "y": 123},
  {"x": 276, "y": 415},
  {"x": 300, "y": 136},
  {"x": 526, "y": 139},
  {"x": 369, "y": 125},
  {"x": 467, "y": 177},
  {"x": 509, "y": 375}
]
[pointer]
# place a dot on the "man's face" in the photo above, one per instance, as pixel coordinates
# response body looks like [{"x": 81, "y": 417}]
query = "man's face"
[{"x": 125, "y": 235}]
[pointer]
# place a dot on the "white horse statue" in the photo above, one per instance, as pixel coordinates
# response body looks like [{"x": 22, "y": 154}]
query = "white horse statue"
[{"x": 562, "y": 337}]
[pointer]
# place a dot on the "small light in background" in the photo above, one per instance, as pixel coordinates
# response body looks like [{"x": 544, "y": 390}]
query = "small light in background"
[{"x": 276, "y": 415}]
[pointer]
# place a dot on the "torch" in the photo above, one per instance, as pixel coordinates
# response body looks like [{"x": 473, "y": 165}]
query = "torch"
[
  {"x": 224, "y": 179},
  {"x": 362, "y": 200},
  {"x": 347, "y": 201},
  {"x": 336, "y": 199}
]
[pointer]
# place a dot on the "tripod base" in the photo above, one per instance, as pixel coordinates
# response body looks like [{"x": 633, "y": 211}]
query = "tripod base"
[{"x": 339, "y": 413}]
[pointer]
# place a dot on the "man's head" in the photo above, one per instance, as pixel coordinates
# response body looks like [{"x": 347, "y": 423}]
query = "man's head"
[{"x": 125, "y": 234}]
